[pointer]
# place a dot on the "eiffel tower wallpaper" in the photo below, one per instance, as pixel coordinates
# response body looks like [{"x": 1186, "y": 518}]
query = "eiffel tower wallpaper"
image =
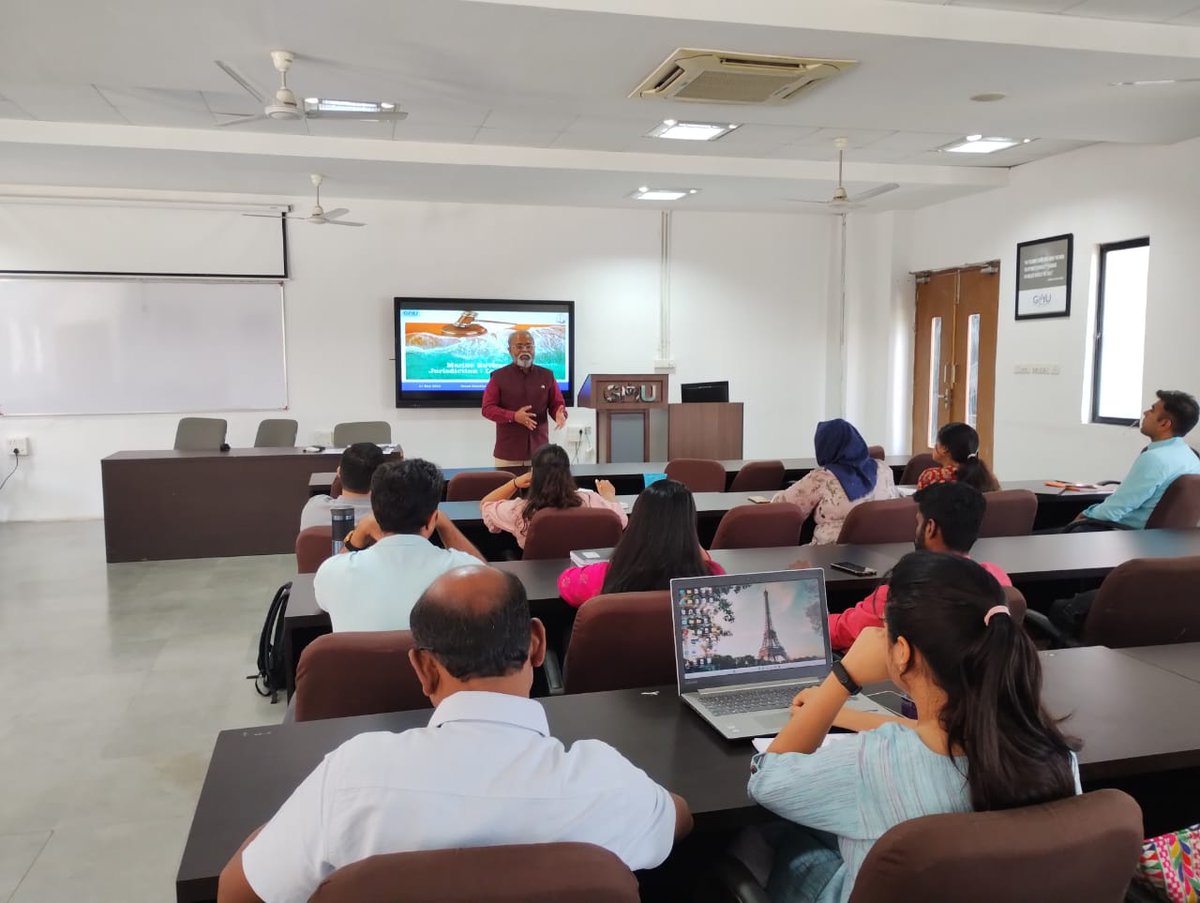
[{"x": 771, "y": 649}]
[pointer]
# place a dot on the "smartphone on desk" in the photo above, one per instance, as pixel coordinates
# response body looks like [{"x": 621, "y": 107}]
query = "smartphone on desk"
[
  {"x": 758, "y": 499},
  {"x": 858, "y": 570}
]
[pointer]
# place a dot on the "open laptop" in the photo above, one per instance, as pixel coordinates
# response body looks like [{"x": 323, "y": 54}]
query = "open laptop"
[{"x": 746, "y": 644}]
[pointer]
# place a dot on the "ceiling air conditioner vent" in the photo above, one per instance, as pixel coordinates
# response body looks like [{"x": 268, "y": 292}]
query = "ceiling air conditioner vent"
[{"x": 715, "y": 76}]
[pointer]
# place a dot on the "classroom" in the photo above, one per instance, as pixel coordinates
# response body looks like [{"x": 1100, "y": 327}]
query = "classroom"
[{"x": 845, "y": 318}]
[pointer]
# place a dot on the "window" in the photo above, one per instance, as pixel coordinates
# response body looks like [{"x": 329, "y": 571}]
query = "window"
[{"x": 1120, "y": 331}]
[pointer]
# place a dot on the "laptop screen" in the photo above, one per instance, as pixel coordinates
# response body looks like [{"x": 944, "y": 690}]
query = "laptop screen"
[{"x": 748, "y": 628}]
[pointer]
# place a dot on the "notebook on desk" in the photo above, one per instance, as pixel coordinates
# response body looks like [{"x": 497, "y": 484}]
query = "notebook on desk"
[
  {"x": 583, "y": 557},
  {"x": 746, "y": 644}
]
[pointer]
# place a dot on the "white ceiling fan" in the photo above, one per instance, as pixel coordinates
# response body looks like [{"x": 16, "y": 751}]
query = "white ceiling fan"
[
  {"x": 319, "y": 216},
  {"x": 283, "y": 103},
  {"x": 841, "y": 202}
]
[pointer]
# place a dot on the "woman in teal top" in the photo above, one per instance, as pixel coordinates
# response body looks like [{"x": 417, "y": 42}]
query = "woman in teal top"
[{"x": 981, "y": 739}]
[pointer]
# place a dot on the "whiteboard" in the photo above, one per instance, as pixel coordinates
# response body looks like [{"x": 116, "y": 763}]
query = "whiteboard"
[{"x": 114, "y": 347}]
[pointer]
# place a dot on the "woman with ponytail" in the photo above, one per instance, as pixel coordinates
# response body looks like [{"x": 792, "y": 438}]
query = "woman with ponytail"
[
  {"x": 957, "y": 455},
  {"x": 981, "y": 739}
]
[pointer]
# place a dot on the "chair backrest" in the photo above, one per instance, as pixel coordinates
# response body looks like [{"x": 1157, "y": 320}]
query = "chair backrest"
[
  {"x": 563, "y": 872},
  {"x": 1080, "y": 848},
  {"x": 313, "y": 545},
  {"x": 350, "y": 673},
  {"x": 1146, "y": 602},
  {"x": 472, "y": 485},
  {"x": 1009, "y": 512},
  {"x": 697, "y": 474},
  {"x": 759, "y": 476},
  {"x": 759, "y": 527},
  {"x": 1179, "y": 508},
  {"x": 620, "y": 642},
  {"x": 200, "y": 434},
  {"x": 335, "y": 486},
  {"x": 377, "y": 431},
  {"x": 876, "y": 452},
  {"x": 556, "y": 532},
  {"x": 916, "y": 466},
  {"x": 886, "y": 520},
  {"x": 1015, "y": 600},
  {"x": 276, "y": 434}
]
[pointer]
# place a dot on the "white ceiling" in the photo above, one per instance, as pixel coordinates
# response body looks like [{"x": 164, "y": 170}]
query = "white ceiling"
[{"x": 526, "y": 100}]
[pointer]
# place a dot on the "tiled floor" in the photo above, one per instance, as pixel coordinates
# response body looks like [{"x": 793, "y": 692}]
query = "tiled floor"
[{"x": 114, "y": 681}]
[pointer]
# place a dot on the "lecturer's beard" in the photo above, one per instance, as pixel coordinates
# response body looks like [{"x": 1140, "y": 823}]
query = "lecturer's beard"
[{"x": 524, "y": 361}]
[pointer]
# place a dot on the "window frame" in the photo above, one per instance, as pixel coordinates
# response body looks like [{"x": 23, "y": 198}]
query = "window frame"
[{"x": 1098, "y": 331}]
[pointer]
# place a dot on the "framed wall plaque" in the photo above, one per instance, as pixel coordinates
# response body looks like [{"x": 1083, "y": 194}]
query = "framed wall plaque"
[{"x": 1044, "y": 277}]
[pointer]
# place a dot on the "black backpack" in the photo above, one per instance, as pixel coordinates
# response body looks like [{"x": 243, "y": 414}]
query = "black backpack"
[{"x": 271, "y": 678}]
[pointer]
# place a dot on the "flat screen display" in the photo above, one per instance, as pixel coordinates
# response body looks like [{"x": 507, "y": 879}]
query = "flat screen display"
[{"x": 447, "y": 348}]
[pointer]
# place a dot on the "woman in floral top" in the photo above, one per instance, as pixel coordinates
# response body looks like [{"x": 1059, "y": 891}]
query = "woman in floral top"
[
  {"x": 957, "y": 455},
  {"x": 846, "y": 476}
]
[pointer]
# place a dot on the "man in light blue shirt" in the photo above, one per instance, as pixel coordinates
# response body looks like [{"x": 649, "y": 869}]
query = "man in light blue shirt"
[
  {"x": 1164, "y": 423},
  {"x": 390, "y": 559}
]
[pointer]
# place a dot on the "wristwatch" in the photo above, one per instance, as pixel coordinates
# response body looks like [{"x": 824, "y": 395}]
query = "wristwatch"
[
  {"x": 839, "y": 671},
  {"x": 349, "y": 546}
]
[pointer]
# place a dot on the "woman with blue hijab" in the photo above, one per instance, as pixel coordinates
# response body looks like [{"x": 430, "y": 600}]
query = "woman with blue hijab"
[{"x": 845, "y": 476}]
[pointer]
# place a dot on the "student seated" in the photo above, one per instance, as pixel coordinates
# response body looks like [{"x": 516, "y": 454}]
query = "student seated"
[
  {"x": 1164, "y": 423},
  {"x": 845, "y": 476},
  {"x": 981, "y": 740},
  {"x": 550, "y": 485},
  {"x": 484, "y": 772},
  {"x": 660, "y": 543},
  {"x": 359, "y": 463},
  {"x": 957, "y": 454},
  {"x": 375, "y": 588},
  {"x": 948, "y": 519}
]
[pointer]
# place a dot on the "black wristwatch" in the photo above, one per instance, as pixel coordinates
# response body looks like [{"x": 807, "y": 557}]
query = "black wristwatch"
[
  {"x": 839, "y": 671},
  {"x": 349, "y": 546}
]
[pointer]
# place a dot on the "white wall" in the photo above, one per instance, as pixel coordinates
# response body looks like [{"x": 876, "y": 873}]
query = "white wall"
[
  {"x": 1101, "y": 194},
  {"x": 749, "y": 298}
]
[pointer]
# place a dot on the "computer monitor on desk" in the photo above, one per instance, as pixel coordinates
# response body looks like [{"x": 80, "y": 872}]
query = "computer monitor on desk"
[{"x": 691, "y": 393}]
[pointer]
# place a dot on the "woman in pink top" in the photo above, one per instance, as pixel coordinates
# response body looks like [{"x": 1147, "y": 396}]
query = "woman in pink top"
[
  {"x": 550, "y": 485},
  {"x": 661, "y": 543}
]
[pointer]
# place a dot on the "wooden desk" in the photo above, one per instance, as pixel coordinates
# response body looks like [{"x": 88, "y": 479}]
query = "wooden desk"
[
  {"x": 1178, "y": 658},
  {"x": 1056, "y": 508},
  {"x": 1127, "y": 713}
]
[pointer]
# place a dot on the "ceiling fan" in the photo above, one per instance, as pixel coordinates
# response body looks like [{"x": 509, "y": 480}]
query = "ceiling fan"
[
  {"x": 319, "y": 216},
  {"x": 283, "y": 103},
  {"x": 841, "y": 202}
]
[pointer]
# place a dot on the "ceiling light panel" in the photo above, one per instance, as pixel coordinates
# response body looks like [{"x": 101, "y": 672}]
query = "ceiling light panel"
[
  {"x": 982, "y": 144},
  {"x": 692, "y": 131},
  {"x": 646, "y": 193}
]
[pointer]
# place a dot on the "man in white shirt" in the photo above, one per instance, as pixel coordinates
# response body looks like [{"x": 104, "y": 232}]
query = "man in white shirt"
[
  {"x": 358, "y": 465},
  {"x": 391, "y": 560},
  {"x": 484, "y": 772}
]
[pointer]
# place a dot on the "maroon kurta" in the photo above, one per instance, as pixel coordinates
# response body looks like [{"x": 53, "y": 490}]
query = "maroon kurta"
[{"x": 509, "y": 390}]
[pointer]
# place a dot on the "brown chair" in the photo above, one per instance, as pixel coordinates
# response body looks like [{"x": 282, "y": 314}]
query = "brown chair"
[
  {"x": 698, "y": 474},
  {"x": 472, "y": 485},
  {"x": 621, "y": 641},
  {"x": 876, "y": 452},
  {"x": 1080, "y": 848},
  {"x": 313, "y": 545},
  {"x": 350, "y": 673},
  {"x": 916, "y": 466},
  {"x": 556, "y": 532},
  {"x": 1179, "y": 508},
  {"x": 1010, "y": 512},
  {"x": 759, "y": 476},
  {"x": 759, "y": 527},
  {"x": 1017, "y": 606},
  {"x": 335, "y": 486},
  {"x": 518, "y": 873},
  {"x": 1146, "y": 602},
  {"x": 887, "y": 520}
]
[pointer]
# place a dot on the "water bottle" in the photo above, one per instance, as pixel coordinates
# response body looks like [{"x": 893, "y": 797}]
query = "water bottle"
[{"x": 342, "y": 524}]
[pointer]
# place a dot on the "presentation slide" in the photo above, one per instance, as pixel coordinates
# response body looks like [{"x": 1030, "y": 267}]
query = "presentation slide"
[{"x": 456, "y": 351}]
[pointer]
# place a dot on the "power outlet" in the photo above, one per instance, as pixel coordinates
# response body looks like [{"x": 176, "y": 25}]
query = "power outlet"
[{"x": 16, "y": 445}]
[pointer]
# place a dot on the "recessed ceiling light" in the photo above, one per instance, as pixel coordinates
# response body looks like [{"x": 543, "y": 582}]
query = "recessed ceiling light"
[
  {"x": 989, "y": 97},
  {"x": 645, "y": 193},
  {"x": 692, "y": 131},
  {"x": 979, "y": 144},
  {"x": 1152, "y": 82}
]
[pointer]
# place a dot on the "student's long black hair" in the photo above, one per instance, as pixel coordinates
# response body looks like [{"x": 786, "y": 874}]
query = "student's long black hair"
[
  {"x": 659, "y": 543},
  {"x": 962, "y": 443},
  {"x": 552, "y": 485},
  {"x": 1016, "y": 754}
]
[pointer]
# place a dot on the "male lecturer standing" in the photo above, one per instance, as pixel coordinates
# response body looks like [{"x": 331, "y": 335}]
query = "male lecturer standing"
[{"x": 521, "y": 398}]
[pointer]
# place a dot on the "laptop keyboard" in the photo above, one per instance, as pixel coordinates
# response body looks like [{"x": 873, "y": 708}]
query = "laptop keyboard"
[{"x": 754, "y": 699}]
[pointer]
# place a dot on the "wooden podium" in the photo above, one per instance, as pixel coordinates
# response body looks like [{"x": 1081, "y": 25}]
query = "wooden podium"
[
  {"x": 710, "y": 429},
  {"x": 631, "y": 415}
]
